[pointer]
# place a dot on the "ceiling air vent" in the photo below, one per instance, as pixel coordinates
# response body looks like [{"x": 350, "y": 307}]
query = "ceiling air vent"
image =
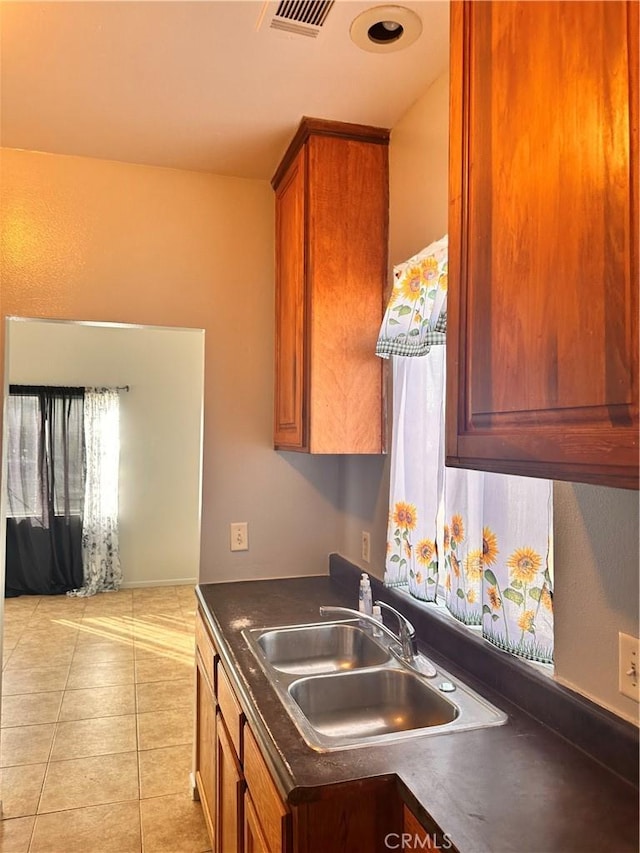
[{"x": 302, "y": 17}]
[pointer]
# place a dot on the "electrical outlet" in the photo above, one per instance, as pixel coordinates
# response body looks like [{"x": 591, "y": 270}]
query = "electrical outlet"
[
  {"x": 239, "y": 536},
  {"x": 366, "y": 546},
  {"x": 628, "y": 665}
]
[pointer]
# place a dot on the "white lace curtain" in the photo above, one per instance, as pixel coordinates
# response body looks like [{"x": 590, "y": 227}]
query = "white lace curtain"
[
  {"x": 480, "y": 540},
  {"x": 100, "y": 549}
]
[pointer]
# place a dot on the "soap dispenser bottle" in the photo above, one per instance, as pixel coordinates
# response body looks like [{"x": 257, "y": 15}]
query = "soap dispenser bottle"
[
  {"x": 365, "y": 599},
  {"x": 377, "y": 615}
]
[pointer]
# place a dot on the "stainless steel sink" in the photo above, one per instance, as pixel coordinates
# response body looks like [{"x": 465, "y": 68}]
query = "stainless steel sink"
[
  {"x": 316, "y": 649},
  {"x": 370, "y": 703},
  {"x": 344, "y": 689}
]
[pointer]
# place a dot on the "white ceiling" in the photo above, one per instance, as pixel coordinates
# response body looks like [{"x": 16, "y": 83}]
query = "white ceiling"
[{"x": 196, "y": 85}]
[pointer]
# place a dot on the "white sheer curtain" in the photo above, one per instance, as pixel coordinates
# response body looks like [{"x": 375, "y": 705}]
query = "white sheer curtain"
[
  {"x": 485, "y": 539},
  {"x": 100, "y": 549},
  {"x": 417, "y": 474}
]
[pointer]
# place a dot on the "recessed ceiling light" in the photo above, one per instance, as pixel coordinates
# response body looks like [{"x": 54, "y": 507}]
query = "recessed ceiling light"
[{"x": 383, "y": 29}]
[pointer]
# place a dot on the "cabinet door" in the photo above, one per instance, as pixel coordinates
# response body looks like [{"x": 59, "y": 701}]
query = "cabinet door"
[
  {"x": 229, "y": 794},
  {"x": 543, "y": 284},
  {"x": 254, "y": 840},
  {"x": 205, "y": 746},
  {"x": 290, "y": 428},
  {"x": 346, "y": 270},
  {"x": 275, "y": 818}
]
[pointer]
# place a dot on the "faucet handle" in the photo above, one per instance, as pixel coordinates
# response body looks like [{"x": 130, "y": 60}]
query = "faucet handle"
[{"x": 403, "y": 622}]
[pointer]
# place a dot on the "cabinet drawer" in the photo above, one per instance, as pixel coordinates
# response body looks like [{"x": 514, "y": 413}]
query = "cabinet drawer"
[
  {"x": 274, "y": 817},
  {"x": 230, "y": 709},
  {"x": 205, "y": 647}
]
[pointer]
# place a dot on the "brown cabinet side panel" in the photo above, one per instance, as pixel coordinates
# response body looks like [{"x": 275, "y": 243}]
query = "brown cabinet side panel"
[
  {"x": 361, "y": 817},
  {"x": 348, "y": 212},
  {"x": 290, "y": 359},
  {"x": 543, "y": 239}
]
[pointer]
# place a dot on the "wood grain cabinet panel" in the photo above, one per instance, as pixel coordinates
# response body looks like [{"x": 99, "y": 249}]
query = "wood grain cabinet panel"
[
  {"x": 206, "y": 649},
  {"x": 290, "y": 410},
  {"x": 230, "y": 710},
  {"x": 205, "y": 758},
  {"x": 254, "y": 840},
  {"x": 273, "y": 815},
  {"x": 423, "y": 837},
  {"x": 229, "y": 794},
  {"x": 543, "y": 281},
  {"x": 331, "y": 269}
]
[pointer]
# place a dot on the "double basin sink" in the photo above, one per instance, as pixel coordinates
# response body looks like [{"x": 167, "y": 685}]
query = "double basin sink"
[{"x": 345, "y": 688}]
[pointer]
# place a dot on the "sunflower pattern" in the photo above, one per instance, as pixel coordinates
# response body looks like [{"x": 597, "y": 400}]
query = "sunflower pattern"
[
  {"x": 508, "y": 593},
  {"x": 417, "y": 560},
  {"x": 417, "y": 300},
  {"x": 463, "y": 568}
]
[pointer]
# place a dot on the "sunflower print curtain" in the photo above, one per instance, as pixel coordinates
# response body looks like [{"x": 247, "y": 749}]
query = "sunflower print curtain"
[
  {"x": 496, "y": 556},
  {"x": 483, "y": 541}
]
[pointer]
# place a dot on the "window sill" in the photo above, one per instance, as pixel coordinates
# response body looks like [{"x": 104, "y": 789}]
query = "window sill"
[{"x": 441, "y": 611}]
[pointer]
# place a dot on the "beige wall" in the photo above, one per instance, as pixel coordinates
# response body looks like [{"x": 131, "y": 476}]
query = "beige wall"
[
  {"x": 419, "y": 174},
  {"x": 595, "y": 529},
  {"x": 596, "y": 588},
  {"x": 418, "y": 187},
  {"x": 160, "y": 429},
  {"x": 87, "y": 239}
]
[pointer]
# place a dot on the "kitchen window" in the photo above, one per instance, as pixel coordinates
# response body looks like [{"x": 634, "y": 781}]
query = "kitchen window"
[{"x": 480, "y": 542}]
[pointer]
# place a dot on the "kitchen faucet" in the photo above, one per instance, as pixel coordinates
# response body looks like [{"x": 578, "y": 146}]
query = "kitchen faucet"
[
  {"x": 406, "y": 632},
  {"x": 406, "y": 636}
]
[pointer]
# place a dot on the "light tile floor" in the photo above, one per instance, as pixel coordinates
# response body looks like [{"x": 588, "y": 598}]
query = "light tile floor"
[{"x": 97, "y": 724}]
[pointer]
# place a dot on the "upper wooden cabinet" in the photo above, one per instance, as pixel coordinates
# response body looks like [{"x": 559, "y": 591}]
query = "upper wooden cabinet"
[
  {"x": 543, "y": 240},
  {"x": 331, "y": 267}
]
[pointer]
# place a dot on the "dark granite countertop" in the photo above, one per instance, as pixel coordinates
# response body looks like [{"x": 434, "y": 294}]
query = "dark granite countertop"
[{"x": 518, "y": 787}]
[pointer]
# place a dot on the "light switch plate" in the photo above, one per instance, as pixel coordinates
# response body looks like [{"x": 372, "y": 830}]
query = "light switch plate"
[
  {"x": 239, "y": 536},
  {"x": 628, "y": 665}
]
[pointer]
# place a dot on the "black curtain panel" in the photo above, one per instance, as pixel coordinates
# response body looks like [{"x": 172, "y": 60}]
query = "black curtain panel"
[{"x": 45, "y": 486}]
